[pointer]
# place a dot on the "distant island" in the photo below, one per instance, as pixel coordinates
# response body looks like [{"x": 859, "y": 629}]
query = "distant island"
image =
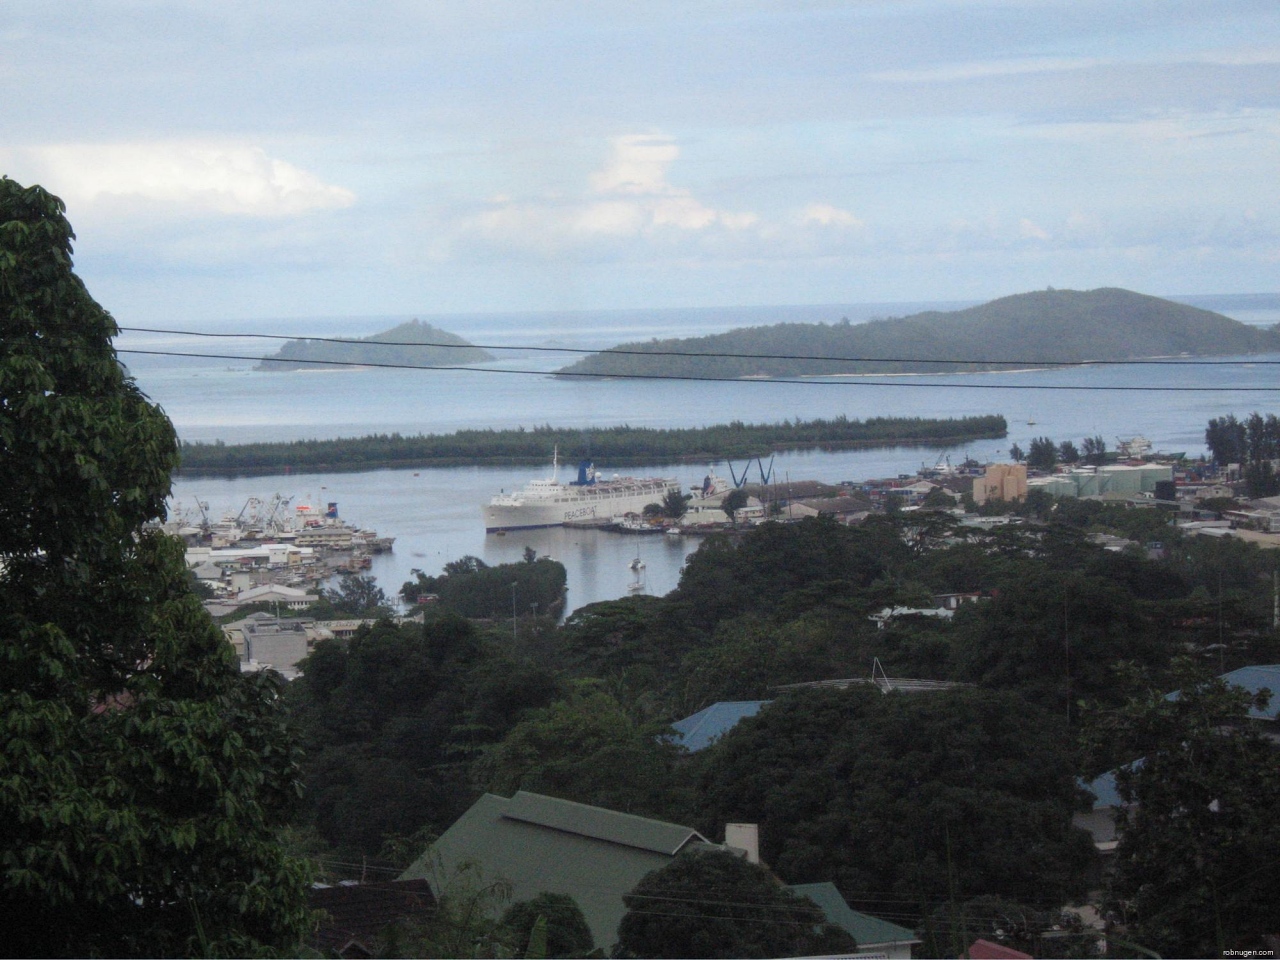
[
  {"x": 439, "y": 348},
  {"x": 1048, "y": 327},
  {"x": 617, "y": 446}
]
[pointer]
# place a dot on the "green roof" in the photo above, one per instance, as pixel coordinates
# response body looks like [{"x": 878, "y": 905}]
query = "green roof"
[
  {"x": 866, "y": 930},
  {"x": 541, "y": 843}
]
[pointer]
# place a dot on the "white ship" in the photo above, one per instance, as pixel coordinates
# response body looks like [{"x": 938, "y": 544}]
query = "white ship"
[{"x": 589, "y": 499}]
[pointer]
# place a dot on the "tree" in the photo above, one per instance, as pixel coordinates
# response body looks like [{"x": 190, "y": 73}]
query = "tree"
[
  {"x": 1095, "y": 451},
  {"x": 358, "y": 595},
  {"x": 1016, "y": 454},
  {"x": 1067, "y": 452},
  {"x": 734, "y": 501},
  {"x": 564, "y": 926},
  {"x": 1042, "y": 454},
  {"x": 1200, "y": 846},
  {"x": 585, "y": 748},
  {"x": 716, "y": 904},
  {"x": 141, "y": 775},
  {"x": 674, "y": 505},
  {"x": 917, "y": 797}
]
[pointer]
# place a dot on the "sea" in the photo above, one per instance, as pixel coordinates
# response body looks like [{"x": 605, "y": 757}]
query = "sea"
[{"x": 212, "y": 393}]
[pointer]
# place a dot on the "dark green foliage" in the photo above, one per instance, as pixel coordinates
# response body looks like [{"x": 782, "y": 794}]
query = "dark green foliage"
[
  {"x": 356, "y": 596},
  {"x": 619, "y": 445},
  {"x": 716, "y": 904},
  {"x": 911, "y": 796},
  {"x": 567, "y": 933},
  {"x": 1056, "y": 326},
  {"x": 950, "y": 929},
  {"x": 470, "y": 588},
  {"x": 727, "y": 578},
  {"x": 437, "y": 348},
  {"x": 586, "y": 748},
  {"x": 1094, "y": 450},
  {"x": 733, "y": 501},
  {"x": 390, "y": 719},
  {"x": 1042, "y": 454},
  {"x": 1196, "y": 867},
  {"x": 675, "y": 505},
  {"x": 1067, "y": 452},
  {"x": 142, "y": 776}
]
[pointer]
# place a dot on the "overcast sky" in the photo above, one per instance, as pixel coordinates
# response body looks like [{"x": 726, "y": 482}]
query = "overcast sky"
[{"x": 231, "y": 159}]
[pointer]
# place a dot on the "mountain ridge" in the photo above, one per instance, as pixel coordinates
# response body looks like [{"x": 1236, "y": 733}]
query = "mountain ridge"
[{"x": 1049, "y": 327}]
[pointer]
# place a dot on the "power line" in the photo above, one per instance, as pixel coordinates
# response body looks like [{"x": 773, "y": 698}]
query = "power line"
[
  {"x": 620, "y": 351},
  {"x": 696, "y": 379}
]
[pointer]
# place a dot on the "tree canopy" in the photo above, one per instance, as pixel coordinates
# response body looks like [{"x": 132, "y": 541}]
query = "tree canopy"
[
  {"x": 141, "y": 775},
  {"x": 716, "y": 904}
]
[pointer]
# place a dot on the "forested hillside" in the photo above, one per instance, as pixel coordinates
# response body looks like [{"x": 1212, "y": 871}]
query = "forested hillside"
[
  {"x": 435, "y": 347},
  {"x": 921, "y": 806},
  {"x": 1044, "y": 327}
]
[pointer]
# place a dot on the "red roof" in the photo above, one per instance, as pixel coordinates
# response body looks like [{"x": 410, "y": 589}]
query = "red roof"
[{"x": 986, "y": 950}]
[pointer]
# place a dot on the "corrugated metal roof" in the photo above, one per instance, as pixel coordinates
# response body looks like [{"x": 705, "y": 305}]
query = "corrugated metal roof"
[
  {"x": 541, "y": 843},
  {"x": 699, "y": 731},
  {"x": 599, "y": 824},
  {"x": 868, "y": 931},
  {"x": 1255, "y": 679}
]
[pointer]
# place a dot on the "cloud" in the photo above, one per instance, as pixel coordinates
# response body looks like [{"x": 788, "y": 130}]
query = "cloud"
[
  {"x": 629, "y": 197},
  {"x": 825, "y": 215},
  {"x": 184, "y": 177},
  {"x": 981, "y": 69}
]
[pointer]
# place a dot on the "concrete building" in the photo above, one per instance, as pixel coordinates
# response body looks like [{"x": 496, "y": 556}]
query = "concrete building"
[{"x": 1002, "y": 481}]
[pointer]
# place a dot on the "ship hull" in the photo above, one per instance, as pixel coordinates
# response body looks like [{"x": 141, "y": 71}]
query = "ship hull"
[{"x": 568, "y": 504}]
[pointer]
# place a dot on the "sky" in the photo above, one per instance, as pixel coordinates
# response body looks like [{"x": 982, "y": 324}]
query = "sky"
[{"x": 231, "y": 159}]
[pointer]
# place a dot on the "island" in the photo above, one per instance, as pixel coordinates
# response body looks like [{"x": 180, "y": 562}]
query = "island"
[
  {"x": 1044, "y": 328},
  {"x": 414, "y": 344},
  {"x": 618, "y": 446}
]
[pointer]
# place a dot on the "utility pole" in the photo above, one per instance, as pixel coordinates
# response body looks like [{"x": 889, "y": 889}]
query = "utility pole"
[{"x": 514, "y": 637}]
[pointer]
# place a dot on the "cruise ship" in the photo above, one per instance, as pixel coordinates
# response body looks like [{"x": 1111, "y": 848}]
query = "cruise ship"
[{"x": 587, "y": 500}]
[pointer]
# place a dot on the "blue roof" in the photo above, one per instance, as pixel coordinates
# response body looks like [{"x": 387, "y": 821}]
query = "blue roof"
[
  {"x": 1255, "y": 679},
  {"x": 707, "y": 726}
]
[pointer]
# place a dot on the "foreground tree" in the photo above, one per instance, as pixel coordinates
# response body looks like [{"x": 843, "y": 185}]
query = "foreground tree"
[
  {"x": 141, "y": 776},
  {"x": 563, "y": 931},
  {"x": 716, "y": 904},
  {"x": 1196, "y": 865}
]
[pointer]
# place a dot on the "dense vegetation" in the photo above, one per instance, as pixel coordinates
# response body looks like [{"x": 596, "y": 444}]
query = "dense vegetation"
[
  {"x": 1052, "y": 326},
  {"x": 414, "y": 344},
  {"x": 618, "y": 446},
  {"x": 142, "y": 776},
  {"x": 922, "y": 806},
  {"x": 1254, "y": 443},
  {"x": 471, "y": 588}
]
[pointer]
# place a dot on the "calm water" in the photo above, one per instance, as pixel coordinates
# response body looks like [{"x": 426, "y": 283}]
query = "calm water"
[{"x": 435, "y": 514}]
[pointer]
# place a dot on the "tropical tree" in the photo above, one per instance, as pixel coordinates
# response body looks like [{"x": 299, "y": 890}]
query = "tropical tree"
[
  {"x": 919, "y": 797},
  {"x": 716, "y": 904},
  {"x": 1017, "y": 454},
  {"x": 1095, "y": 450},
  {"x": 564, "y": 929},
  {"x": 142, "y": 776},
  {"x": 1199, "y": 844},
  {"x": 734, "y": 501},
  {"x": 675, "y": 504},
  {"x": 1067, "y": 452},
  {"x": 1042, "y": 454}
]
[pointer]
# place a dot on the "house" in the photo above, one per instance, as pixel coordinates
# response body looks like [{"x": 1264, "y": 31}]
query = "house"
[
  {"x": 699, "y": 731},
  {"x": 357, "y": 918},
  {"x": 288, "y": 597},
  {"x": 544, "y": 844},
  {"x": 875, "y": 937}
]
